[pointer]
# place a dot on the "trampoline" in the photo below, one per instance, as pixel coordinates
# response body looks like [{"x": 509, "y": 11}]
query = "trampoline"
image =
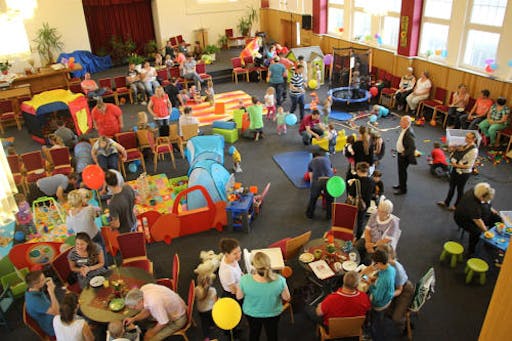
[{"x": 348, "y": 98}]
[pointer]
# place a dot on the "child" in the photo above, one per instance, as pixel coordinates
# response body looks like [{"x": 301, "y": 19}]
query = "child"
[
  {"x": 142, "y": 120},
  {"x": 237, "y": 159},
  {"x": 118, "y": 332},
  {"x": 256, "y": 118},
  {"x": 379, "y": 186},
  {"x": 378, "y": 145},
  {"x": 349, "y": 154},
  {"x": 168, "y": 61},
  {"x": 318, "y": 75},
  {"x": 210, "y": 93},
  {"x": 24, "y": 215},
  {"x": 332, "y": 135},
  {"x": 280, "y": 119},
  {"x": 326, "y": 110},
  {"x": 438, "y": 164},
  {"x": 270, "y": 103},
  {"x": 206, "y": 295},
  {"x": 301, "y": 61},
  {"x": 183, "y": 97},
  {"x": 241, "y": 105},
  {"x": 195, "y": 94},
  {"x": 380, "y": 111}
]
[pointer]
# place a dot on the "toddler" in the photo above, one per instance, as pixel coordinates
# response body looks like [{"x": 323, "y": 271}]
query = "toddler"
[
  {"x": 280, "y": 119},
  {"x": 379, "y": 186},
  {"x": 380, "y": 111},
  {"x": 195, "y": 94},
  {"x": 255, "y": 112},
  {"x": 206, "y": 295},
  {"x": 142, "y": 120},
  {"x": 183, "y": 97},
  {"x": 24, "y": 216},
  {"x": 332, "y": 136},
  {"x": 270, "y": 103},
  {"x": 438, "y": 164},
  {"x": 237, "y": 159},
  {"x": 349, "y": 154},
  {"x": 210, "y": 93},
  {"x": 241, "y": 105},
  {"x": 168, "y": 61},
  {"x": 118, "y": 332},
  {"x": 326, "y": 110}
]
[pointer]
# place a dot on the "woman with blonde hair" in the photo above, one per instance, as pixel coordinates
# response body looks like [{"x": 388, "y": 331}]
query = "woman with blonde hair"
[
  {"x": 363, "y": 147},
  {"x": 81, "y": 217},
  {"x": 160, "y": 107},
  {"x": 263, "y": 292}
]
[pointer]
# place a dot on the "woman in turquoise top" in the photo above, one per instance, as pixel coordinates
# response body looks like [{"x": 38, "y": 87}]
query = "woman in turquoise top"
[
  {"x": 256, "y": 118},
  {"x": 497, "y": 119},
  {"x": 263, "y": 292}
]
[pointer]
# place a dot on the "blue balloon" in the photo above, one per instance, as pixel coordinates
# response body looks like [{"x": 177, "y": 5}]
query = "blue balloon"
[
  {"x": 137, "y": 163},
  {"x": 494, "y": 66},
  {"x": 510, "y": 63},
  {"x": 373, "y": 118},
  {"x": 379, "y": 40},
  {"x": 444, "y": 53},
  {"x": 19, "y": 236},
  {"x": 132, "y": 167},
  {"x": 290, "y": 119},
  {"x": 231, "y": 150}
]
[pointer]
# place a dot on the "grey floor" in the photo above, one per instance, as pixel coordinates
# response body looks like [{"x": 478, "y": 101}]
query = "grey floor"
[{"x": 455, "y": 312}]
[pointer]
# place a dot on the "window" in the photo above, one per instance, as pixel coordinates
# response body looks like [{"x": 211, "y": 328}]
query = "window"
[
  {"x": 488, "y": 12},
  {"x": 435, "y": 28},
  {"x": 362, "y": 25},
  {"x": 390, "y": 28},
  {"x": 336, "y": 19},
  {"x": 441, "y": 9},
  {"x": 480, "y": 47}
]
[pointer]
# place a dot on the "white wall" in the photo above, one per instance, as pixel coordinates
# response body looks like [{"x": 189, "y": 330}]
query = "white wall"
[{"x": 293, "y": 6}]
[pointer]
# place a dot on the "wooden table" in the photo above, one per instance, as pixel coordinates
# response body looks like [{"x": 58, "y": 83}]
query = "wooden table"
[
  {"x": 12, "y": 94},
  {"x": 47, "y": 80},
  {"x": 94, "y": 301}
]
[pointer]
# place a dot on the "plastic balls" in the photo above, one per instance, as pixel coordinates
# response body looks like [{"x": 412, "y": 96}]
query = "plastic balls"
[
  {"x": 313, "y": 84},
  {"x": 132, "y": 167},
  {"x": 290, "y": 119},
  {"x": 374, "y": 91},
  {"x": 19, "y": 236},
  {"x": 373, "y": 118}
]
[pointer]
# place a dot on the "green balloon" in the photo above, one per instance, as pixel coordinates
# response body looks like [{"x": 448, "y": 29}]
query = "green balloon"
[{"x": 336, "y": 186}]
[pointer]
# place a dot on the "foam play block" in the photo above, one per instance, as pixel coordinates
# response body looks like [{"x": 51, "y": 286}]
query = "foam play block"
[
  {"x": 224, "y": 125},
  {"x": 323, "y": 143},
  {"x": 230, "y": 135},
  {"x": 220, "y": 108},
  {"x": 238, "y": 117}
]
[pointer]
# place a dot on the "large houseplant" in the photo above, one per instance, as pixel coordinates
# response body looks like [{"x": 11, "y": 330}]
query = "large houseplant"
[
  {"x": 210, "y": 50},
  {"x": 48, "y": 41},
  {"x": 245, "y": 22}
]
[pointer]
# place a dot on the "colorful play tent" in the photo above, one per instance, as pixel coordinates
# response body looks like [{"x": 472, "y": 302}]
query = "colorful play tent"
[
  {"x": 35, "y": 111},
  {"x": 210, "y": 147}
]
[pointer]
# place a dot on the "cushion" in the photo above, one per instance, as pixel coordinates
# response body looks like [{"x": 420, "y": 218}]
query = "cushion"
[
  {"x": 133, "y": 154},
  {"x": 224, "y": 125}
]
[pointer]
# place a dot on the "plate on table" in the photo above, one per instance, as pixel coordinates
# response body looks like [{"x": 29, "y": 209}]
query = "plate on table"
[
  {"x": 97, "y": 281},
  {"x": 349, "y": 265},
  {"x": 489, "y": 235},
  {"x": 117, "y": 304},
  {"x": 306, "y": 257}
]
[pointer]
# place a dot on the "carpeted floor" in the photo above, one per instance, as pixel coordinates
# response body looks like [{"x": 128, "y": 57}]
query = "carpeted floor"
[{"x": 455, "y": 312}]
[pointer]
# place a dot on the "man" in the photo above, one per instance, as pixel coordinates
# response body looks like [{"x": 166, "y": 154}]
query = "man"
[
  {"x": 161, "y": 304},
  {"x": 134, "y": 81},
  {"x": 405, "y": 147},
  {"x": 107, "y": 118},
  {"x": 37, "y": 304},
  {"x": 297, "y": 91},
  {"x": 275, "y": 77},
  {"x": 320, "y": 170},
  {"x": 67, "y": 135},
  {"x": 188, "y": 68},
  {"x": 56, "y": 185},
  {"x": 121, "y": 205},
  {"x": 347, "y": 301},
  {"x": 310, "y": 127}
]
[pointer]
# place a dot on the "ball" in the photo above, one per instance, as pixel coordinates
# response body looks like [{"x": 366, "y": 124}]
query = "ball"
[
  {"x": 132, "y": 167},
  {"x": 313, "y": 84},
  {"x": 374, "y": 91},
  {"x": 19, "y": 236},
  {"x": 290, "y": 119}
]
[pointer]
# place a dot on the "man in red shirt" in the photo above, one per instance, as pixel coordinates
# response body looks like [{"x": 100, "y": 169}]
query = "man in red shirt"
[
  {"x": 346, "y": 301},
  {"x": 310, "y": 127},
  {"x": 108, "y": 118}
]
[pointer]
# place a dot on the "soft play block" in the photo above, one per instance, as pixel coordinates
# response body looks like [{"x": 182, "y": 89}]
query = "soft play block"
[
  {"x": 323, "y": 143},
  {"x": 220, "y": 108},
  {"x": 224, "y": 125},
  {"x": 230, "y": 135},
  {"x": 238, "y": 117}
]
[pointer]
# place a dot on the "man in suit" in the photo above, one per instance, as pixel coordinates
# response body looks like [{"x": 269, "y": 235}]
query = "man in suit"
[{"x": 405, "y": 148}]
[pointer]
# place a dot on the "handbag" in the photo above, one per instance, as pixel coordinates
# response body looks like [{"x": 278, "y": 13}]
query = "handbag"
[{"x": 357, "y": 200}]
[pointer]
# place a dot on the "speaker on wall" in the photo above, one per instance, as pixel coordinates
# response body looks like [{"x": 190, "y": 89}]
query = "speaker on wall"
[{"x": 306, "y": 22}]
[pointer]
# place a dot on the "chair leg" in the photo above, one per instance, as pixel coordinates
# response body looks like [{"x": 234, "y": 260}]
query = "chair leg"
[
  {"x": 172, "y": 159},
  {"x": 453, "y": 262},
  {"x": 443, "y": 255},
  {"x": 143, "y": 163},
  {"x": 155, "y": 162},
  {"x": 482, "y": 278},
  {"x": 123, "y": 170}
]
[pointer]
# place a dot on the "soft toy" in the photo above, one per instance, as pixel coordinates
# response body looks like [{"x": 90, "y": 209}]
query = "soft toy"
[{"x": 210, "y": 262}]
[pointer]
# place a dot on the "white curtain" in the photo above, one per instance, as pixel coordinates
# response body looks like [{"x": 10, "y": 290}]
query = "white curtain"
[{"x": 8, "y": 188}]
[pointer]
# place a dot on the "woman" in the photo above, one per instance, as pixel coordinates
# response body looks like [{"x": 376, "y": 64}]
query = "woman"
[
  {"x": 82, "y": 152},
  {"x": 149, "y": 78},
  {"x": 462, "y": 160},
  {"x": 367, "y": 188},
  {"x": 382, "y": 228},
  {"x": 105, "y": 153},
  {"x": 229, "y": 269},
  {"x": 263, "y": 292},
  {"x": 363, "y": 147},
  {"x": 456, "y": 108},
  {"x": 55, "y": 143},
  {"x": 160, "y": 107},
  {"x": 68, "y": 325},
  {"x": 421, "y": 91},
  {"x": 497, "y": 119},
  {"x": 478, "y": 113},
  {"x": 86, "y": 259},
  {"x": 407, "y": 83},
  {"x": 379, "y": 147},
  {"x": 81, "y": 217}
]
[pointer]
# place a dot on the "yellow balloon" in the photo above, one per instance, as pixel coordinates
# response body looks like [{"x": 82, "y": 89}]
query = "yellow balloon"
[
  {"x": 313, "y": 83},
  {"x": 226, "y": 313}
]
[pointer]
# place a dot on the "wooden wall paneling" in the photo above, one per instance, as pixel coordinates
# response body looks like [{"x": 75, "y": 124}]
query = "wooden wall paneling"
[
  {"x": 401, "y": 65},
  {"x": 454, "y": 78}
]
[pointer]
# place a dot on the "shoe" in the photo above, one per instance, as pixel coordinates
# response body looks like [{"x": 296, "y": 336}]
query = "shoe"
[
  {"x": 143, "y": 103},
  {"x": 441, "y": 204},
  {"x": 396, "y": 187},
  {"x": 451, "y": 208},
  {"x": 399, "y": 192}
]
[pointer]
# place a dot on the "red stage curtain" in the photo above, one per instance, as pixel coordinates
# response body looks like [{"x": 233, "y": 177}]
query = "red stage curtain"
[{"x": 122, "y": 18}]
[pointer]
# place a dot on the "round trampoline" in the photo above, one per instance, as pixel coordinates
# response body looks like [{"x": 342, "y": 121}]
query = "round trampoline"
[{"x": 349, "y": 98}]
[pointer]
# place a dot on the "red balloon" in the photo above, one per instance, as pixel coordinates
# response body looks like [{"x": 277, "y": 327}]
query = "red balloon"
[
  {"x": 374, "y": 91},
  {"x": 488, "y": 69},
  {"x": 93, "y": 177}
]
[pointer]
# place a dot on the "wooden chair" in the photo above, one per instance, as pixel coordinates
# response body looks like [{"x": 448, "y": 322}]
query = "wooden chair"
[
  {"x": 249, "y": 65},
  {"x": 60, "y": 266},
  {"x": 129, "y": 141},
  {"x": 8, "y": 116},
  {"x": 387, "y": 95},
  {"x": 34, "y": 166},
  {"x": 160, "y": 147},
  {"x": 238, "y": 69},
  {"x": 132, "y": 246},
  {"x": 174, "y": 41},
  {"x": 201, "y": 70},
  {"x": 174, "y": 137},
  {"x": 507, "y": 132},
  {"x": 190, "y": 311},
  {"x": 76, "y": 88},
  {"x": 61, "y": 161},
  {"x": 441, "y": 109},
  {"x": 294, "y": 245},
  {"x": 188, "y": 131},
  {"x": 175, "y": 73},
  {"x": 342, "y": 327},
  {"x": 34, "y": 326},
  {"x": 342, "y": 233},
  {"x": 173, "y": 281},
  {"x": 180, "y": 40},
  {"x": 17, "y": 172},
  {"x": 106, "y": 83},
  {"x": 344, "y": 216},
  {"x": 122, "y": 88},
  {"x": 439, "y": 98}
]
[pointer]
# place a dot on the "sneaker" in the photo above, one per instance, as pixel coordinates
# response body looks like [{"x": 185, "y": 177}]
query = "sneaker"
[
  {"x": 451, "y": 208},
  {"x": 441, "y": 204},
  {"x": 143, "y": 103}
]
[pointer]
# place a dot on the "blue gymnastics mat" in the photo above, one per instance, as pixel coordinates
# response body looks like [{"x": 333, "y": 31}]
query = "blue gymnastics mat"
[
  {"x": 294, "y": 165},
  {"x": 340, "y": 115}
]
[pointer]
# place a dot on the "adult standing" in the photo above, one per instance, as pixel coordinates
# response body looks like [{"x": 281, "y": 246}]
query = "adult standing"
[
  {"x": 364, "y": 191},
  {"x": 107, "y": 118},
  {"x": 421, "y": 91},
  {"x": 497, "y": 119},
  {"x": 149, "y": 78},
  {"x": 320, "y": 171},
  {"x": 160, "y": 107},
  {"x": 81, "y": 217},
  {"x": 135, "y": 83},
  {"x": 310, "y": 127},
  {"x": 105, "y": 153},
  {"x": 405, "y": 88},
  {"x": 188, "y": 69},
  {"x": 457, "y": 106},
  {"x": 68, "y": 325},
  {"x": 469, "y": 214},
  {"x": 160, "y": 303},
  {"x": 478, "y": 113},
  {"x": 406, "y": 148},
  {"x": 297, "y": 90},
  {"x": 229, "y": 269},
  {"x": 263, "y": 292},
  {"x": 363, "y": 147},
  {"x": 275, "y": 77},
  {"x": 121, "y": 205},
  {"x": 40, "y": 307},
  {"x": 462, "y": 160},
  {"x": 86, "y": 259}
]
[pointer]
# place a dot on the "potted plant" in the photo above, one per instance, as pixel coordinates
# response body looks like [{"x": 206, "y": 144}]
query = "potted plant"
[
  {"x": 222, "y": 42},
  {"x": 245, "y": 22},
  {"x": 211, "y": 50},
  {"x": 150, "y": 48},
  {"x": 48, "y": 41},
  {"x": 135, "y": 59},
  {"x": 4, "y": 67},
  {"x": 120, "y": 49}
]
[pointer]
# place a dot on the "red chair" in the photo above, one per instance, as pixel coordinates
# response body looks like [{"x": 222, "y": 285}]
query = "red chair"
[
  {"x": 34, "y": 326},
  {"x": 106, "y": 83},
  {"x": 190, "y": 310},
  {"x": 60, "y": 266},
  {"x": 172, "y": 283},
  {"x": 387, "y": 95},
  {"x": 122, "y": 88},
  {"x": 61, "y": 161},
  {"x": 129, "y": 141},
  {"x": 174, "y": 41},
  {"x": 249, "y": 65},
  {"x": 290, "y": 247},
  {"x": 344, "y": 216},
  {"x": 160, "y": 147},
  {"x": 238, "y": 69},
  {"x": 132, "y": 246},
  {"x": 507, "y": 132},
  {"x": 151, "y": 217},
  {"x": 163, "y": 77},
  {"x": 201, "y": 70},
  {"x": 439, "y": 98},
  {"x": 76, "y": 88},
  {"x": 34, "y": 166},
  {"x": 232, "y": 39},
  {"x": 110, "y": 237},
  {"x": 8, "y": 116},
  {"x": 181, "y": 40},
  {"x": 443, "y": 110},
  {"x": 175, "y": 73},
  {"x": 17, "y": 172}
]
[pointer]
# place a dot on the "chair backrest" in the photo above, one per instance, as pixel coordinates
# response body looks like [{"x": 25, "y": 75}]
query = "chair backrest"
[
  {"x": 381, "y": 74},
  {"x": 440, "y": 94},
  {"x": 294, "y": 245},
  {"x": 343, "y": 233},
  {"x": 236, "y": 62},
  {"x": 173, "y": 40},
  {"x": 105, "y": 83},
  {"x": 180, "y": 39},
  {"x": 33, "y": 325},
  {"x": 110, "y": 238},
  {"x": 344, "y": 215},
  {"x": 201, "y": 68},
  {"x": 174, "y": 72},
  {"x": 340, "y": 327},
  {"x": 14, "y": 163},
  {"x": 248, "y": 60},
  {"x": 61, "y": 266},
  {"x": 162, "y": 74},
  {"x": 60, "y": 156},
  {"x": 471, "y": 104},
  {"x": 189, "y": 131},
  {"x": 190, "y": 302},
  {"x": 120, "y": 82},
  {"x": 145, "y": 138},
  {"x": 32, "y": 160},
  {"x": 175, "y": 271},
  {"x": 395, "y": 82},
  {"x": 229, "y": 32},
  {"x": 132, "y": 244},
  {"x": 173, "y": 132},
  {"x": 127, "y": 139},
  {"x": 76, "y": 88},
  {"x": 6, "y": 106}
]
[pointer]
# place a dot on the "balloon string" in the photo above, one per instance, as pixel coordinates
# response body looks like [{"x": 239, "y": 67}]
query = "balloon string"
[{"x": 231, "y": 332}]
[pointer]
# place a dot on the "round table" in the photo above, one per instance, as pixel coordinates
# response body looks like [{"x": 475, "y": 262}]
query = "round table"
[{"x": 94, "y": 301}]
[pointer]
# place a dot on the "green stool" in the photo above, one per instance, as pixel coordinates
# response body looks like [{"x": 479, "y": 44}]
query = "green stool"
[
  {"x": 476, "y": 265},
  {"x": 455, "y": 250}
]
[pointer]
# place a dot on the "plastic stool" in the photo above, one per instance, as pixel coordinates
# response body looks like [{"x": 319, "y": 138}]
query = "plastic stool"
[
  {"x": 455, "y": 250},
  {"x": 476, "y": 265}
]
